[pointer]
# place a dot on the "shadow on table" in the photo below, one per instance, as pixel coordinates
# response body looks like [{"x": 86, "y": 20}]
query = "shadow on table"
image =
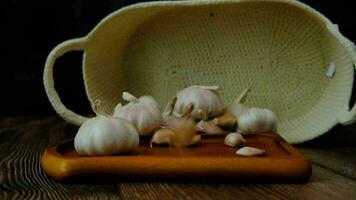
[
  {"x": 337, "y": 136},
  {"x": 105, "y": 179}
]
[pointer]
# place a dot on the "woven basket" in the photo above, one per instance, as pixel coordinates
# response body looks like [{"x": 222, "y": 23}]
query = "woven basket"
[{"x": 280, "y": 49}]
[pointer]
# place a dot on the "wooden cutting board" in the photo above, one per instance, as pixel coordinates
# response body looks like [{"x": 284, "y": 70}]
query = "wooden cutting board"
[{"x": 211, "y": 159}]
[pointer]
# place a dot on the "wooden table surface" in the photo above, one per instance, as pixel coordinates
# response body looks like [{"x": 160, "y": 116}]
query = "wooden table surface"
[{"x": 23, "y": 139}]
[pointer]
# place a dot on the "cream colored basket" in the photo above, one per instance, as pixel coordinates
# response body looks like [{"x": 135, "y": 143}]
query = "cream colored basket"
[{"x": 280, "y": 49}]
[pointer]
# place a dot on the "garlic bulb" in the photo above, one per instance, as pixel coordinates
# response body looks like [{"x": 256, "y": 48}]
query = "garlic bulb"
[
  {"x": 250, "y": 151},
  {"x": 257, "y": 120},
  {"x": 234, "y": 140},
  {"x": 106, "y": 135},
  {"x": 142, "y": 112},
  {"x": 205, "y": 99}
]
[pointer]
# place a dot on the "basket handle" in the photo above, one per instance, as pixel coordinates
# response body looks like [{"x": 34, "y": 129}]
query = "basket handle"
[
  {"x": 349, "y": 116},
  {"x": 77, "y": 44}
]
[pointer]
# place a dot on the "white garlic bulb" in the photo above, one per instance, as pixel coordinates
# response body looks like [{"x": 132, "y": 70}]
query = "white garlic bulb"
[
  {"x": 106, "y": 135},
  {"x": 142, "y": 112},
  {"x": 257, "y": 120},
  {"x": 234, "y": 140},
  {"x": 205, "y": 99}
]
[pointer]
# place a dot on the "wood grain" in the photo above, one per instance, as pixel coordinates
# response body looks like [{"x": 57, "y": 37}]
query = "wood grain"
[{"x": 23, "y": 139}]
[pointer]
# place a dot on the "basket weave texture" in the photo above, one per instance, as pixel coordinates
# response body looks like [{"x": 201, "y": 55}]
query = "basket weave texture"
[{"x": 281, "y": 49}]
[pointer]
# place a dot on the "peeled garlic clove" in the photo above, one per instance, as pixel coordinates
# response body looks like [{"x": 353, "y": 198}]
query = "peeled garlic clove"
[
  {"x": 209, "y": 127},
  {"x": 162, "y": 136},
  {"x": 184, "y": 131},
  {"x": 257, "y": 120},
  {"x": 250, "y": 151},
  {"x": 205, "y": 99},
  {"x": 227, "y": 120},
  {"x": 234, "y": 140}
]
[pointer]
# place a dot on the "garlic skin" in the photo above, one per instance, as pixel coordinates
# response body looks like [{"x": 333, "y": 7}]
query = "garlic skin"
[
  {"x": 234, "y": 140},
  {"x": 205, "y": 99},
  {"x": 209, "y": 127},
  {"x": 168, "y": 110},
  {"x": 169, "y": 121},
  {"x": 142, "y": 112},
  {"x": 151, "y": 103},
  {"x": 101, "y": 136},
  {"x": 257, "y": 120},
  {"x": 250, "y": 151},
  {"x": 238, "y": 107}
]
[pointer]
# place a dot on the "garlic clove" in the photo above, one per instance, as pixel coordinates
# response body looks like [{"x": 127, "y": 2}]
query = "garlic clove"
[
  {"x": 250, "y": 151},
  {"x": 209, "y": 127},
  {"x": 234, "y": 140},
  {"x": 184, "y": 131},
  {"x": 227, "y": 120},
  {"x": 195, "y": 140},
  {"x": 161, "y": 136}
]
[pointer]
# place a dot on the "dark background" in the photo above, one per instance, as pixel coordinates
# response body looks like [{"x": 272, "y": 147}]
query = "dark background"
[{"x": 31, "y": 29}]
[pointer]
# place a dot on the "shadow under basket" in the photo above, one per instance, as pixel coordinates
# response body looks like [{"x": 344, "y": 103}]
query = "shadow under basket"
[
  {"x": 280, "y": 49},
  {"x": 209, "y": 160}
]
